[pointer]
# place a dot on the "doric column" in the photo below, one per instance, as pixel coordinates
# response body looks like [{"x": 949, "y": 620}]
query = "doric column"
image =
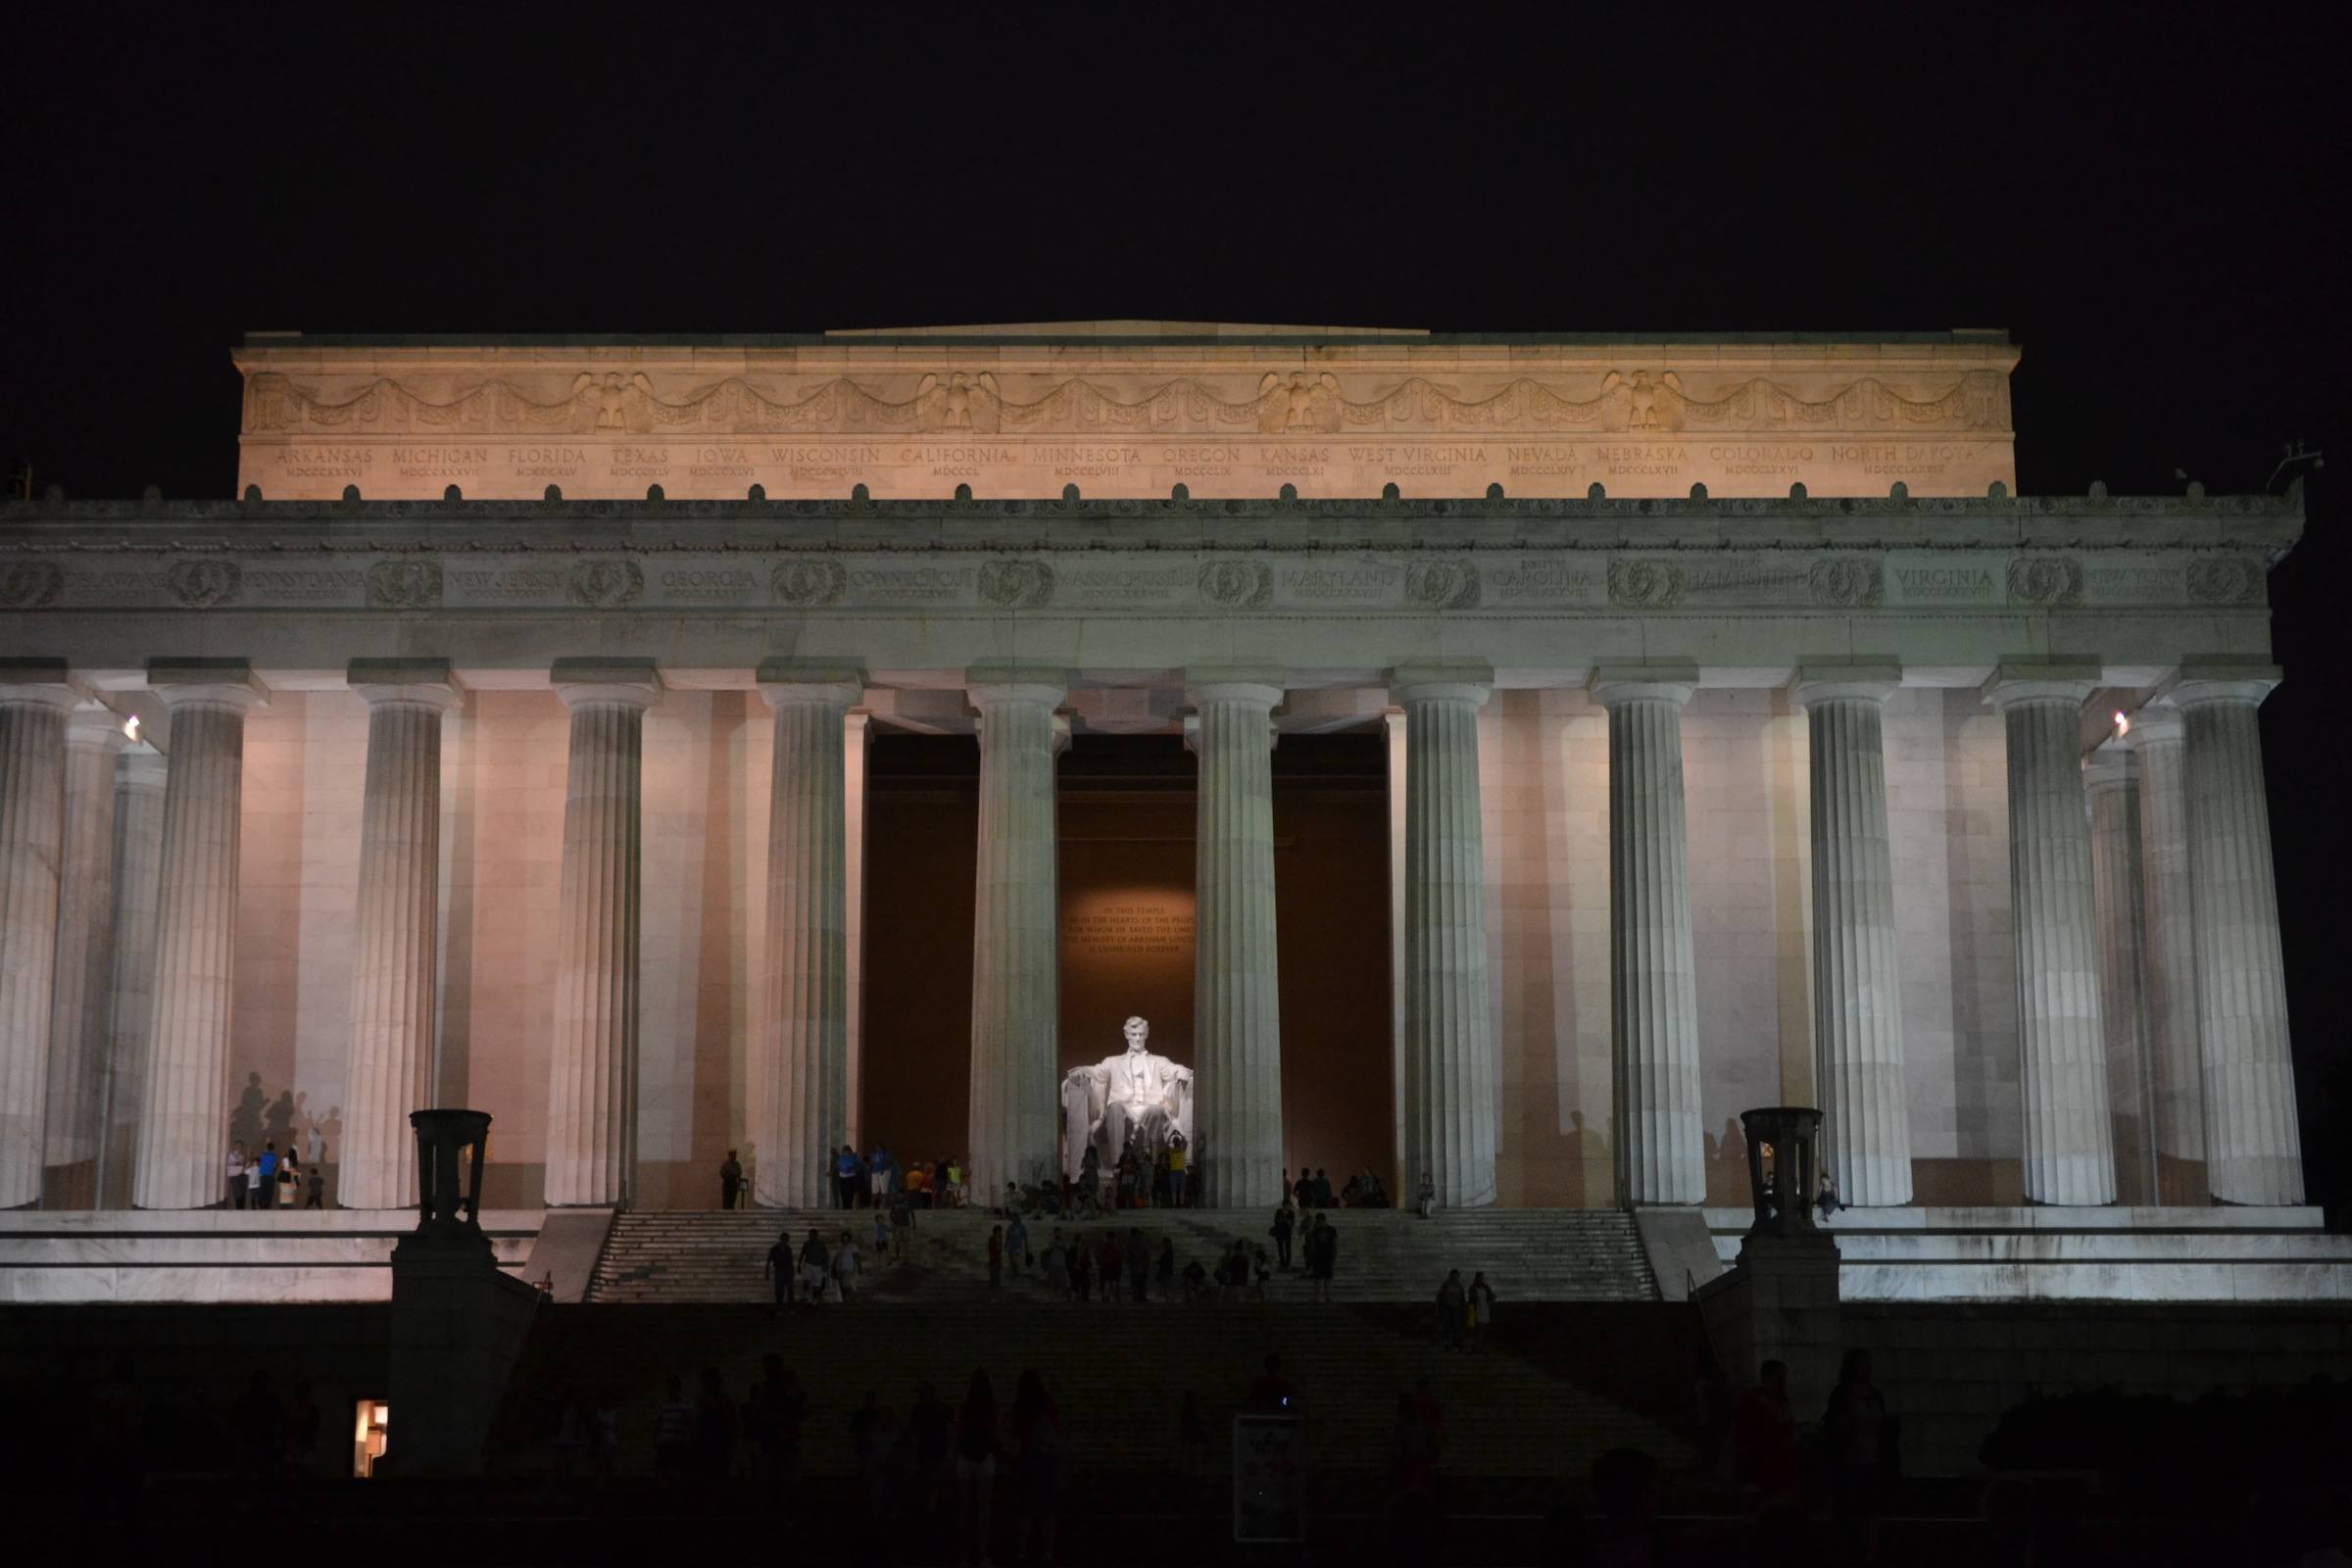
[
  {"x": 1237, "y": 1017},
  {"x": 394, "y": 982},
  {"x": 184, "y": 1130},
  {"x": 1016, "y": 983},
  {"x": 138, "y": 854},
  {"x": 2069, "y": 1154},
  {"x": 591, "y": 1073},
  {"x": 2112, "y": 779},
  {"x": 1857, "y": 983},
  {"x": 33, "y": 701},
  {"x": 85, "y": 911},
  {"x": 1449, "y": 1069},
  {"x": 1392, "y": 724},
  {"x": 2169, "y": 961},
  {"x": 2253, "y": 1142},
  {"x": 1654, "y": 977},
  {"x": 799, "y": 1071}
]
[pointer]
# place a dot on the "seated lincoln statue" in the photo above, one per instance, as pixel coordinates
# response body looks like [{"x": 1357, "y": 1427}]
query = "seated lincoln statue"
[{"x": 1138, "y": 1094}]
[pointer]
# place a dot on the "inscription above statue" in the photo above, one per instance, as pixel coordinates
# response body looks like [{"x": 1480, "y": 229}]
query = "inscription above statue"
[{"x": 1139, "y": 1097}]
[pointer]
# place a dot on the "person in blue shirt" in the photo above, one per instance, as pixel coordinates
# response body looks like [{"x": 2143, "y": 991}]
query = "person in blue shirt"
[
  {"x": 849, "y": 1176},
  {"x": 269, "y": 1164}
]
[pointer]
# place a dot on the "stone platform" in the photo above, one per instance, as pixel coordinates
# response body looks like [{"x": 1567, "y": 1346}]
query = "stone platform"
[
  {"x": 216, "y": 1255},
  {"x": 2057, "y": 1254}
]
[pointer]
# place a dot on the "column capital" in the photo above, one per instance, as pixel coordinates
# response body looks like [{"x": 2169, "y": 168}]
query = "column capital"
[
  {"x": 992, "y": 685},
  {"x": 2111, "y": 766},
  {"x": 1670, "y": 681},
  {"x": 96, "y": 727},
  {"x": 2154, "y": 724},
  {"x": 606, "y": 682},
  {"x": 2052, "y": 680},
  {"x": 1872, "y": 682},
  {"x": 207, "y": 683},
  {"x": 37, "y": 680},
  {"x": 809, "y": 683},
  {"x": 1449, "y": 681},
  {"x": 420, "y": 682},
  {"x": 141, "y": 767},
  {"x": 1235, "y": 683},
  {"x": 2224, "y": 680}
]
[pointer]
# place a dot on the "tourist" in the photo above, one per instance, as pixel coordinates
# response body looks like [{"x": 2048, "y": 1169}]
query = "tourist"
[
  {"x": 730, "y": 1180},
  {"x": 1270, "y": 1392},
  {"x": 673, "y": 1429},
  {"x": 845, "y": 1267},
  {"x": 1858, "y": 1439},
  {"x": 1764, "y": 1449},
  {"x": 265, "y": 1172},
  {"x": 902, "y": 1228},
  {"x": 1108, "y": 1263},
  {"x": 1050, "y": 1266},
  {"x": 916, "y": 1182},
  {"x": 957, "y": 1192},
  {"x": 1427, "y": 1197},
  {"x": 815, "y": 1267},
  {"x": 778, "y": 1270},
  {"x": 1164, "y": 1268},
  {"x": 1179, "y": 1154},
  {"x": 316, "y": 1187},
  {"x": 289, "y": 1181},
  {"x": 1138, "y": 1267},
  {"x": 849, "y": 1177},
  {"x": 1452, "y": 1303},
  {"x": 1376, "y": 1196},
  {"x": 1089, "y": 1178},
  {"x": 1322, "y": 1256},
  {"x": 1036, "y": 1468},
  {"x": 236, "y": 1176},
  {"x": 1303, "y": 1191},
  {"x": 995, "y": 1256},
  {"x": 1016, "y": 1242},
  {"x": 1130, "y": 1168},
  {"x": 1351, "y": 1195},
  {"x": 1322, "y": 1187},
  {"x": 879, "y": 1238},
  {"x": 1826, "y": 1199},
  {"x": 1081, "y": 1269},
  {"x": 1286, "y": 1224},
  {"x": 943, "y": 1184},
  {"x": 877, "y": 1177},
  {"x": 1481, "y": 1304},
  {"x": 1261, "y": 1269},
  {"x": 714, "y": 1429},
  {"x": 1192, "y": 1435},
  {"x": 1195, "y": 1283},
  {"x": 975, "y": 1468},
  {"x": 773, "y": 1415},
  {"x": 252, "y": 1195}
]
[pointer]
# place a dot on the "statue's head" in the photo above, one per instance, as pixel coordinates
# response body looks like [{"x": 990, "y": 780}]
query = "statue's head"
[{"x": 1137, "y": 1032}]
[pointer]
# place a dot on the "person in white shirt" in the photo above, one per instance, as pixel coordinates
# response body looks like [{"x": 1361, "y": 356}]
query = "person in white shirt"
[{"x": 236, "y": 1176}]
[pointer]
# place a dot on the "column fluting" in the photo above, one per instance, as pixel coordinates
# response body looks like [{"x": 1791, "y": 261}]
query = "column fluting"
[
  {"x": 2168, "y": 969},
  {"x": 33, "y": 701},
  {"x": 394, "y": 987},
  {"x": 77, "y": 1010},
  {"x": 799, "y": 1071},
  {"x": 1653, "y": 978},
  {"x": 1236, "y": 1018},
  {"x": 2110, "y": 777},
  {"x": 1451, "y": 1081},
  {"x": 2069, "y": 1150},
  {"x": 138, "y": 853},
  {"x": 1015, "y": 1110},
  {"x": 2253, "y": 1139},
  {"x": 592, "y": 1070},
  {"x": 1857, "y": 978},
  {"x": 183, "y": 1128}
]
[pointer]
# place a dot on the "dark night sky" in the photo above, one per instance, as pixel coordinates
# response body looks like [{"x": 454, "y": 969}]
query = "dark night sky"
[{"x": 2144, "y": 203}]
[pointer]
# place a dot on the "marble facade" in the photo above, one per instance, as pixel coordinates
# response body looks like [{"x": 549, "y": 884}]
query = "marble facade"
[{"x": 623, "y": 963}]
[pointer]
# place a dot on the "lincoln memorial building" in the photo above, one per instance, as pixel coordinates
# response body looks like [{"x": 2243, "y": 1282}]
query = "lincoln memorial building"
[{"x": 1499, "y": 760}]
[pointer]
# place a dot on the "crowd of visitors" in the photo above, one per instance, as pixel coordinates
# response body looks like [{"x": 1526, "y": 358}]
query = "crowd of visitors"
[{"x": 275, "y": 1180}]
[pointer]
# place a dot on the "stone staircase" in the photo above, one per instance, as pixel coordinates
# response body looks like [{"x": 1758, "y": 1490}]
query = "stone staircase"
[
  {"x": 1118, "y": 1373},
  {"x": 1385, "y": 1255}
]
